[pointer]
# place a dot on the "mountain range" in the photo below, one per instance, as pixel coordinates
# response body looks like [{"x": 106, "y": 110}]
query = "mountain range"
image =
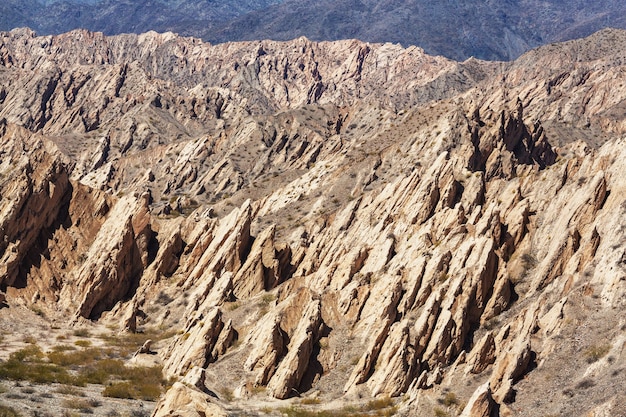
[
  {"x": 494, "y": 30},
  {"x": 306, "y": 228}
]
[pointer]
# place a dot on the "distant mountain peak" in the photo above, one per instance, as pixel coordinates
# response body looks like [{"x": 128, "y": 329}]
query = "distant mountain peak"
[{"x": 487, "y": 30}]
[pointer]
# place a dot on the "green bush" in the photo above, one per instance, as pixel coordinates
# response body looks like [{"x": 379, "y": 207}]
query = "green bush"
[
  {"x": 81, "y": 367},
  {"x": 120, "y": 390},
  {"x": 28, "y": 364},
  {"x": 146, "y": 391}
]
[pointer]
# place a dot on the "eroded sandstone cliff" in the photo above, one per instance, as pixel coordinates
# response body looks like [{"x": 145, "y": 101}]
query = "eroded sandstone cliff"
[{"x": 332, "y": 221}]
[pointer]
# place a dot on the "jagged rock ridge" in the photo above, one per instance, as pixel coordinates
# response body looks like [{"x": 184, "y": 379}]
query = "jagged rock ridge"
[{"x": 347, "y": 231}]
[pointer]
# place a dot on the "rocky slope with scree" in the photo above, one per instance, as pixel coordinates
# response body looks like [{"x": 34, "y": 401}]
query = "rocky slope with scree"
[{"x": 311, "y": 226}]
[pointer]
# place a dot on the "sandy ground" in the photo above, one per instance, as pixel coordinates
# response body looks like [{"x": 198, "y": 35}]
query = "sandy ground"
[{"x": 21, "y": 327}]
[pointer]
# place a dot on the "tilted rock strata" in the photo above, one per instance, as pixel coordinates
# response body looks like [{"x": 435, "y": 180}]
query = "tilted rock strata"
[{"x": 443, "y": 243}]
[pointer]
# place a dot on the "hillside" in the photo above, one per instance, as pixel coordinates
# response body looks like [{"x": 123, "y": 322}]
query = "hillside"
[
  {"x": 493, "y": 30},
  {"x": 304, "y": 228}
]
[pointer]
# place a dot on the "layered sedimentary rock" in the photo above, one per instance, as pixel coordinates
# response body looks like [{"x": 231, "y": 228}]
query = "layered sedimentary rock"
[{"x": 357, "y": 231}]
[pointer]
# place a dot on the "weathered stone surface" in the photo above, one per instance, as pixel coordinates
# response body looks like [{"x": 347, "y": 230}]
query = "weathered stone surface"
[
  {"x": 112, "y": 267},
  {"x": 513, "y": 360},
  {"x": 291, "y": 369},
  {"x": 311, "y": 233},
  {"x": 33, "y": 201},
  {"x": 482, "y": 355},
  {"x": 269, "y": 345},
  {"x": 183, "y": 401},
  {"x": 195, "y": 346},
  {"x": 480, "y": 404}
]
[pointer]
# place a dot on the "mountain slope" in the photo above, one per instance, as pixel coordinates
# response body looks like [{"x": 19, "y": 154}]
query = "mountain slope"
[
  {"x": 315, "y": 227},
  {"x": 499, "y": 30},
  {"x": 494, "y": 30}
]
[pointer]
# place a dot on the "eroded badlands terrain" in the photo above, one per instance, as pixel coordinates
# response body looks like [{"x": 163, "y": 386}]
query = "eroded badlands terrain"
[{"x": 302, "y": 228}]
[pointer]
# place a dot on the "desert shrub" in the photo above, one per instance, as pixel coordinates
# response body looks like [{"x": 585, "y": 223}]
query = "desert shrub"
[
  {"x": 234, "y": 306},
  {"x": 439, "y": 412},
  {"x": 85, "y": 405},
  {"x": 140, "y": 383},
  {"x": 528, "y": 260},
  {"x": 62, "y": 348},
  {"x": 585, "y": 383},
  {"x": 75, "y": 357},
  {"x": 120, "y": 390},
  {"x": 379, "y": 403},
  {"x": 6, "y": 411},
  {"x": 310, "y": 401},
  {"x": 87, "y": 366},
  {"x": 450, "y": 399},
  {"x": 28, "y": 364},
  {"x": 83, "y": 343},
  {"x": 381, "y": 407},
  {"x": 126, "y": 344},
  {"x": 595, "y": 353},
  {"x": 267, "y": 299},
  {"x": 82, "y": 333},
  {"x": 164, "y": 299},
  {"x": 146, "y": 391},
  {"x": 69, "y": 390}
]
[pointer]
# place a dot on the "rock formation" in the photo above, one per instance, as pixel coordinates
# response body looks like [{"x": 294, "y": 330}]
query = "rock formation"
[{"x": 344, "y": 220}]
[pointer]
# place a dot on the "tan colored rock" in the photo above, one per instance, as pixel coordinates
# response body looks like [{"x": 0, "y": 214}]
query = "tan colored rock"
[
  {"x": 332, "y": 175},
  {"x": 265, "y": 266},
  {"x": 482, "y": 355},
  {"x": 112, "y": 268},
  {"x": 512, "y": 362},
  {"x": 196, "y": 377},
  {"x": 268, "y": 346},
  {"x": 32, "y": 201},
  {"x": 183, "y": 401},
  {"x": 286, "y": 379},
  {"x": 480, "y": 404},
  {"x": 224, "y": 247},
  {"x": 552, "y": 320},
  {"x": 395, "y": 365},
  {"x": 168, "y": 257},
  {"x": 368, "y": 360},
  {"x": 195, "y": 345}
]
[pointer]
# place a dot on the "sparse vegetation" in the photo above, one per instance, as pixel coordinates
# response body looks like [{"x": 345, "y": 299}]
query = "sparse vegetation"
[
  {"x": 38, "y": 311},
  {"x": 227, "y": 394},
  {"x": 380, "y": 407},
  {"x": 379, "y": 404},
  {"x": 595, "y": 353},
  {"x": 586, "y": 383},
  {"x": 71, "y": 367},
  {"x": 310, "y": 401},
  {"x": 70, "y": 390},
  {"x": 267, "y": 299},
  {"x": 439, "y": 412},
  {"x": 6, "y": 411},
  {"x": 82, "y": 404},
  {"x": 137, "y": 389},
  {"x": 83, "y": 343},
  {"x": 233, "y": 306},
  {"x": 82, "y": 333},
  {"x": 528, "y": 261},
  {"x": 449, "y": 399}
]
